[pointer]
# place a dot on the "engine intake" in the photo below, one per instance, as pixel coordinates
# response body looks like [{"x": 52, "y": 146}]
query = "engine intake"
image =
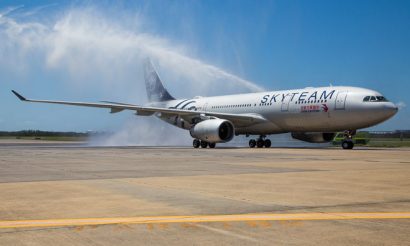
[
  {"x": 314, "y": 137},
  {"x": 213, "y": 131}
]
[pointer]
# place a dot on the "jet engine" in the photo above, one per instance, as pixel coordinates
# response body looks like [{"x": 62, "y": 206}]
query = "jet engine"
[
  {"x": 213, "y": 131},
  {"x": 314, "y": 137}
]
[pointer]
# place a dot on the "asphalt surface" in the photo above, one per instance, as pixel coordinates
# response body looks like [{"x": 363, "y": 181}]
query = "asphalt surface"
[{"x": 71, "y": 194}]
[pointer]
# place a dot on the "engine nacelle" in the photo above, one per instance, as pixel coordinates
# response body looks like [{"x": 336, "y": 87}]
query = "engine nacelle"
[
  {"x": 314, "y": 137},
  {"x": 213, "y": 131}
]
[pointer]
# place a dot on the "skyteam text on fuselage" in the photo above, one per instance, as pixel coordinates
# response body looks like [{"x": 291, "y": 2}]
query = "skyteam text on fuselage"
[{"x": 311, "y": 114}]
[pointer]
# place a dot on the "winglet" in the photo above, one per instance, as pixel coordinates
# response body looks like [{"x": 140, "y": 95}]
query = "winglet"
[{"x": 19, "y": 96}]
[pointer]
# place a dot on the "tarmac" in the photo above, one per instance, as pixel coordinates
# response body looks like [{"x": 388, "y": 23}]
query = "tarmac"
[{"x": 55, "y": 193}]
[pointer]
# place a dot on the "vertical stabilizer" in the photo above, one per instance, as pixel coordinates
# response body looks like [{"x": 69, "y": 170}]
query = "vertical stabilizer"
[{"x": 156, "y": 92}]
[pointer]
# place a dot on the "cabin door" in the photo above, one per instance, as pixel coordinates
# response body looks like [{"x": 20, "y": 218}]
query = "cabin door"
[
  {"x": 205, "y": 107},
  {"x": 341, "y": 100},
  {"x": 285, "y": 103}
]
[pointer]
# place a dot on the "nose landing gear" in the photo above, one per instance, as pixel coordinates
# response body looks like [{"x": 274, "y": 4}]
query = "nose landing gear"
[{"x": 347, "y": 142}]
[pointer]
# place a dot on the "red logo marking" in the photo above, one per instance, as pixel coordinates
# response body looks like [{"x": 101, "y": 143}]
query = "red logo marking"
[{"x": 325, "y": 108}]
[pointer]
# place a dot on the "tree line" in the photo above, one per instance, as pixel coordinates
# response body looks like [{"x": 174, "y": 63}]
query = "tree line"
[{"x": 38, "y": 133}]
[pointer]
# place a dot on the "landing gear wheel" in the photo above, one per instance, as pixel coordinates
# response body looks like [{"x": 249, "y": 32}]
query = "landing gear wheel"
[
  {"x": 204, "y": 144},
  {"x": 252, "y": 143},
  {"x": 267, "y": 143},
  {"x": 196, "y": 143},
  {"x": 346, "y": 144},
  {"x": 260, "y": 143},
  {"x": 212, "y": 145}
]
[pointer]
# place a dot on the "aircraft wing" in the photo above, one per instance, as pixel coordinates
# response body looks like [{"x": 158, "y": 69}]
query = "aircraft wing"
[{"x": 236, "y": 119}]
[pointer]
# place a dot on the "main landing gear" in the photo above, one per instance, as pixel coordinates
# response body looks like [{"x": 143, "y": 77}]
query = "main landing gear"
[
  {"x": 260, "y": 142},
  {"x": 203, "y": 144},
  {"x": 347, "y": 142}
]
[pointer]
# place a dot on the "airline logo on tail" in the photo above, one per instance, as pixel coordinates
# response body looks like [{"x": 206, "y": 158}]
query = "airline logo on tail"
[{"x": 156, "y": 91}]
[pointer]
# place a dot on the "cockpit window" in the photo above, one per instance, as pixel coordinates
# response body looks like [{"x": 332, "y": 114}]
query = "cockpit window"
[
  {"x": 375, "y": 99},
  {"x": 381, "y": 99}
]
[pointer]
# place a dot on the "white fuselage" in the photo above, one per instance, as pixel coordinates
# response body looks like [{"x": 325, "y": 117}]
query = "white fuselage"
[{"x": 323, "y": 109}]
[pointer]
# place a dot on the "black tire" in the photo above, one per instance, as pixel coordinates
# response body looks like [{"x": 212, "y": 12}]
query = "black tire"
[
  {"x": 260, "y": 143},
  {"x": 252, "y": 143},
  {"x": 267, "y": 143},
  {"x": 196, "y": 143},
  {"x": 212, "y": 145},
  {"x": 204, "y": 144},
  {"x": 346, "y": 144}
]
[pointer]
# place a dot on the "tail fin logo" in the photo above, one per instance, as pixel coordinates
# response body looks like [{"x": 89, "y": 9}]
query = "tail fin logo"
[{"x": 156, "y": 91}]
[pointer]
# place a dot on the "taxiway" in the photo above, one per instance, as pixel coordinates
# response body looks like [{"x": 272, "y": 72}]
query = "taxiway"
[{"x": 54, "y": 193}]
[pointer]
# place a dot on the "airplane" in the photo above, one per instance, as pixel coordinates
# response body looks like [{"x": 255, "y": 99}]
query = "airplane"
[{"x": 312, "y": 114}]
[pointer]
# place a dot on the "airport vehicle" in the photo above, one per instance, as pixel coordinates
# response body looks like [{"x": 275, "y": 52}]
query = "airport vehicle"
[{"x": 310, "y": 114}]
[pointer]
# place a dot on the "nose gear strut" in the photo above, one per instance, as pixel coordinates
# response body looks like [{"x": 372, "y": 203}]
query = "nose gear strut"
[{"x": 347, "y": 142}]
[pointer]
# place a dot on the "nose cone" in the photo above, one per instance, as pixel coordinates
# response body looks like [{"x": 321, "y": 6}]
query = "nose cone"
[{"x": 390, "y": 109}]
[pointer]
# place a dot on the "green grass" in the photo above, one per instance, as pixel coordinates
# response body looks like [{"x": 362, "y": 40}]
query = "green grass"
[
  {"x": 362, "y": 140},
  {"x": 390, "y": 143}
]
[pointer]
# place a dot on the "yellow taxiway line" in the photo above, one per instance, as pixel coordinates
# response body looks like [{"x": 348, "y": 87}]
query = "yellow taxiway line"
[{"x": 200, "y": 219}]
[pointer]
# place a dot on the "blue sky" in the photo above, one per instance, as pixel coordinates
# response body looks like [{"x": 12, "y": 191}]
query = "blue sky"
[{"x": 91, "y": 51}]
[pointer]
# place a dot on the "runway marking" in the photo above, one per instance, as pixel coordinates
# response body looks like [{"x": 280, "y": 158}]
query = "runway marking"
[
  {"x": 229, "y": 233},
  {"x": 162, "y": 220}
]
